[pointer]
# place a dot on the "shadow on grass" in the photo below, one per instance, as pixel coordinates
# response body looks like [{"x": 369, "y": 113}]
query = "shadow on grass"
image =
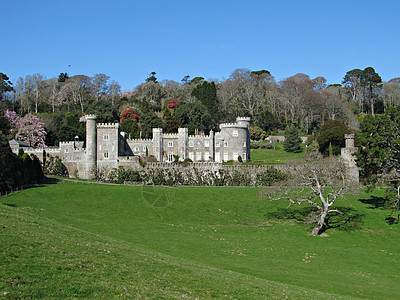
[
  {"x": 46, "y": 180},
  {"x": 382, "y": 203},
  {"x": 349, "y": 219},
  {"x": 376, "y": 202},
  {"x": 393, "y": 220}
]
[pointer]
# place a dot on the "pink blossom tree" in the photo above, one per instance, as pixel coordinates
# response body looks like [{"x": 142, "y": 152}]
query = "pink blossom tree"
[
  {"x": 29, "y": 128},
  {"x": 32, "y": 131}
]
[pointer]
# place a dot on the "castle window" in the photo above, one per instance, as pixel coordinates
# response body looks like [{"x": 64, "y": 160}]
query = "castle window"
[
  {"x": 170, "y": 144},
  {"x": 225, "y": 144},
  {"x": 217, "y": 157},
  {"x": 105, "y": 137},
  {"x": 136, "y": 149},
  {"x": 226, "y": 156},
  {"x": 217, "y": 144},
  {"x": 198, "y": 156},
  {"x": 191, "y": 144},
  {"x": 144, "y": 148},
  {"x": 106, "y": 154},
  {"x": 206, "y": 143},
  {"x": 235, "y": 156},
  {"x": 206, "y": 156},
  {"x": 170, "y": 157},
  {"x": 235, "y": 133},
  {"x": 244, "y": 144},
  {"x": 244, "y": 157},
  {"x": 191, "y": 156}
]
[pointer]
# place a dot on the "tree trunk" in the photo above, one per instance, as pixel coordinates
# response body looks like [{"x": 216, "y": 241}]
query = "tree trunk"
[{"x": 321, "y": 222}]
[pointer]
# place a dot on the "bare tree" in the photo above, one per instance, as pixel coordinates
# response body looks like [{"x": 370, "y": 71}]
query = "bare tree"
[
  {"x": 391, "y": 93},
  {"x": 318, "y": 184}
]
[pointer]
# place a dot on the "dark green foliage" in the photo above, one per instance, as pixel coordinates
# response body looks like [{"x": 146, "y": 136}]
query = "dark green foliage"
[
  {"x": 37, "y": 172},
  {"x": 206, "y": 93},
  {"x": 105, "y": 111},
  {"x": 62, "y": 126},
  {"x": 5, "y": 85},
  {"x": 332, "y": 132},
  {"x": 148, "y": 121},
  {"x": 267, "y": 121},
  {"x": 240, "y": 159},
  {"x": 379, "y": 151},
  {"x": 270, "y": 177},
  {"x": 131, "y": 127},
  {"x": 62, "y": 77},
  {"x": 292, "y": 141},
  {"x": 4, "y": 125},
  {"x": 152, "y": 77},
  {"x": 10, "y": 166},
  {"x": 256, "y": 133},
  {"x": 194, "y": 116},
  {"x": 170, "y": 121},
  {"x": 18, "y": 170}
]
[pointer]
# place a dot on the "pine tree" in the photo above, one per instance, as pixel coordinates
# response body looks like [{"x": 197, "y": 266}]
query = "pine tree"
[{"x": 292, "y": 141}]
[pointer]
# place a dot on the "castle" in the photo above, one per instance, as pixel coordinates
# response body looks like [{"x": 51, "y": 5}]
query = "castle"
[{"x": 108, "y": 148}]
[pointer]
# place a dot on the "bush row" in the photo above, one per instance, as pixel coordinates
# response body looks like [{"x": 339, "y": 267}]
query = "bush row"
[{"x": 194, "y": 176}]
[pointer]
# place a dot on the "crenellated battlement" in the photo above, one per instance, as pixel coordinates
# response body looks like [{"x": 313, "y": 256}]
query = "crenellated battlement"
[
  {"x": 232, "y": 125},
  {"x": 199, "y": 136},
  {"x": 69, "y": 143},
  {"x": 90, "y": 117},
  {"x": 139, "y": 140},
  {"x": 108, "y": 125},
  {"x": 247, "y": 119},
  {"x": 170, "y": 135}
]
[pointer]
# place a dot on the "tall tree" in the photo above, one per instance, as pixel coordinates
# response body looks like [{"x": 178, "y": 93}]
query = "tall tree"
[
  {"x": 5, "y": 85},
  {"x": 292, "y": 141},
  {"x": 206, "y": 93},
  {"x": 372, "y": 82}
]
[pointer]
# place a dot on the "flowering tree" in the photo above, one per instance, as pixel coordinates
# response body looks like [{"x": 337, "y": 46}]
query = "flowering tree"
[
  {"x": 29, "y": 128},
  {"x": 12, "y": 117},
  {"x": 32, "y": 131},
  {"x": 129, "y": 114},
  {"x": 173, "y": 103}
]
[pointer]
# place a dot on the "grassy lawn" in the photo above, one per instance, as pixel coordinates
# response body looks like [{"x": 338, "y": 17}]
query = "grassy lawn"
[
  {"x": 275, "y": 156},
  {"x": 97, "y": 241}
]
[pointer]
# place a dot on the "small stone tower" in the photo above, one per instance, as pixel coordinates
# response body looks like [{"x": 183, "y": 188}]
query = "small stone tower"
[
  {"x": 352, "y": 171},
  {"x": 158, "y": 143},
  {"x": 91, "y": 147},
  {"x": 183, "y": 138}
]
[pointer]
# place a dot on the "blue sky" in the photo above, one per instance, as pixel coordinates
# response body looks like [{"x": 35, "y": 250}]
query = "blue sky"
[{"x": 129, "y": 39}]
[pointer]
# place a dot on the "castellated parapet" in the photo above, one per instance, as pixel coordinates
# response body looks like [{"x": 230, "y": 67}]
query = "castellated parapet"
[{"x": 107, "y": 148}]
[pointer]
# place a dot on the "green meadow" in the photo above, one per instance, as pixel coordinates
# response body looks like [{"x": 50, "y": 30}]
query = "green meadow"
[
  {"x": 101, "y": 241},
  {"x": 275, "y": 156}
]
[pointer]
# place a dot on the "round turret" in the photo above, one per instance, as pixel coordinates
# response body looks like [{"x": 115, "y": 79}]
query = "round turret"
[
  {"x": 91, "y": 146},
  {"x": 243, "y": 121}
]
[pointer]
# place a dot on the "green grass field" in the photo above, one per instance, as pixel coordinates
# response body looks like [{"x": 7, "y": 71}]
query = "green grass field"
[
  {"x": 275, "y": 156},
  {"x": 97, "y": 241}
]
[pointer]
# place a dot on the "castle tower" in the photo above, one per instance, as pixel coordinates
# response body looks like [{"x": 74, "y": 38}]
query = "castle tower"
[
  {"x": 245, "y": 121},
  {"x": 183, "y": 139},
  {"x": 158, "y": 143},
  {"x": 352, "y": 171},
  {"x": 91, "y": 147}
]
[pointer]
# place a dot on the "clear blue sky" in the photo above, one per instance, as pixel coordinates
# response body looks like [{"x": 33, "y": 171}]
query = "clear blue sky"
[{"x": 129, "y": 39}]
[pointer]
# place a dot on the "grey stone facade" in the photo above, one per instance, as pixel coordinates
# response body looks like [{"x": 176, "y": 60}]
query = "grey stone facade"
[
  {"x": 352, "y": 172},
  {"x": 108, "y": 148}
]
